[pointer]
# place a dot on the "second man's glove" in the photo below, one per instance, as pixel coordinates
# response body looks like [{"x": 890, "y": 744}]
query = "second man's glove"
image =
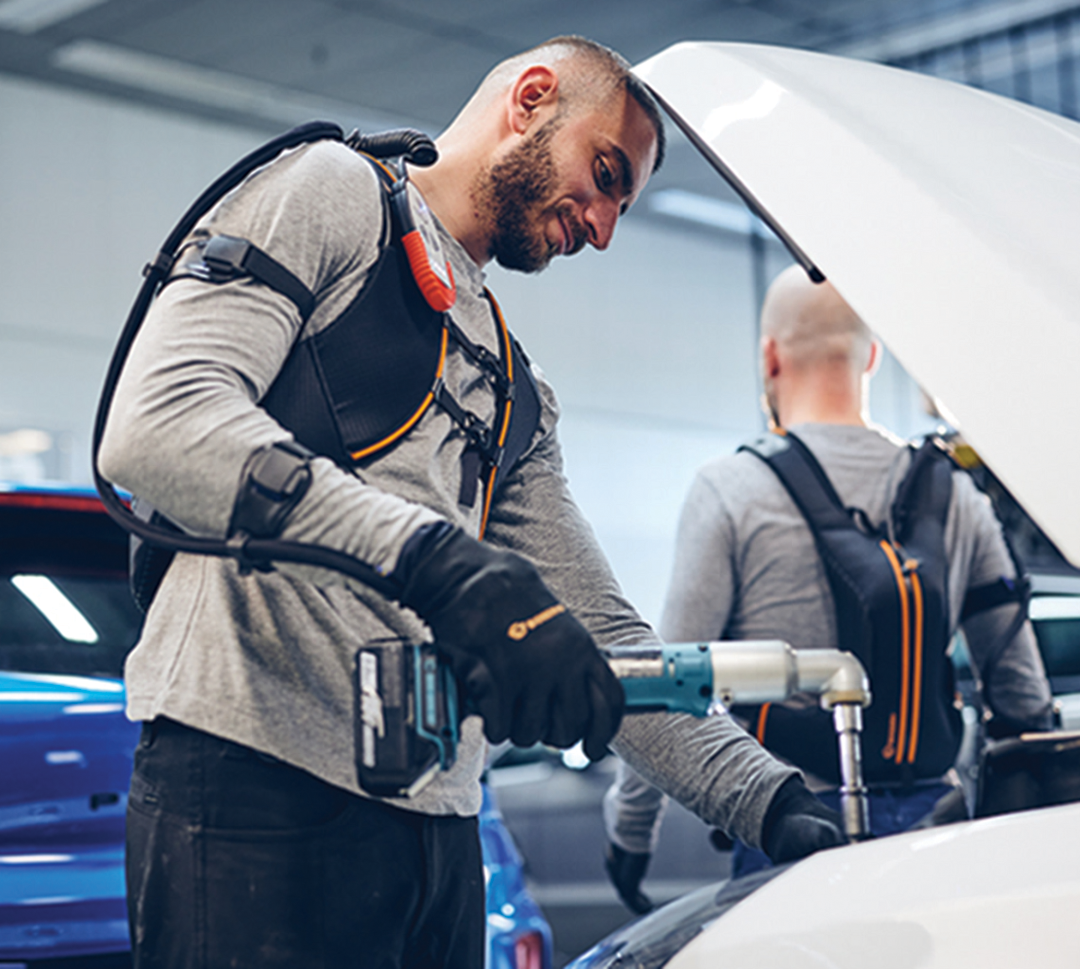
[
  {"x": 529, "y": 668},
  {"x": 626, "y": 869},
  {"x": 797, "y": 824}
]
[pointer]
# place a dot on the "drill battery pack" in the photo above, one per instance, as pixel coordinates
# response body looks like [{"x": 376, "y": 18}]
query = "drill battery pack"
[{"x": 406, "y": 717}]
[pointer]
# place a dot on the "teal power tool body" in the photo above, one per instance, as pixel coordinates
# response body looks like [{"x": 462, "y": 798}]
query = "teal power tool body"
[{"x": 409, "y": 713}]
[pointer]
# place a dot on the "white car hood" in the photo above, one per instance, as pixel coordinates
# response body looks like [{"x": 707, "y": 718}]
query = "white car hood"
[
  {"x": 949, "y": 219},
  {"x": 997, "y": 893}
]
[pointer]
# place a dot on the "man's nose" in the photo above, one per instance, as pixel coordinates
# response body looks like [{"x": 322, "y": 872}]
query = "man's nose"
[{"x": 601, "y": 217}]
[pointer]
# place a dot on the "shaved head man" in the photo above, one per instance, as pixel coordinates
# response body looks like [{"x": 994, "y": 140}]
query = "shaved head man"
[
  {"x": 817, "y": 356},
  {"x": 747, "y": 567}
]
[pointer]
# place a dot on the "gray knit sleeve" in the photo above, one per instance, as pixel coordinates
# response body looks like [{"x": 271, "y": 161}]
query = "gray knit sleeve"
[
  {"x": 185, "y": 417},
  {"x": 710, "y": 765},
  {"x": 1003, "y": 647},
  {"x": 701, "y": 593}
]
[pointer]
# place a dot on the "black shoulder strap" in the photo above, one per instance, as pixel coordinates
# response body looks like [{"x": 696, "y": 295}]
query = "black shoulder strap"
[
  {"x": 926, "y": 487},
  {"x": 804, "y": 478},
  {"x": 525, "y": 417},
  {"x": 890, "y": 598},
  {"x": 842, "y": 536},
  {"x": 419, "y": 149},
  {"x": 229, "y": 257}
]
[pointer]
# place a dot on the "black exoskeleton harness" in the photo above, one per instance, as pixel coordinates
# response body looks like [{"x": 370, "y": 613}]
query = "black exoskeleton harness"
[
  {"x": 348, "y": 392},
  {"x": 361, "y": 383},
  {"x": 890, "y": 590}
]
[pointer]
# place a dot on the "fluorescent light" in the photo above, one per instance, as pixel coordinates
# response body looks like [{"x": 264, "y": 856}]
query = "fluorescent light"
[
  {"x": 25, "y": 441},
  {"x": 35, "y": 859},
  {"x": 28, "y": 696},
  {"x": 28, "y": 16},
  {"x": 714, "y": 213},
  {"x": 971, "y": 24},
  {"x": 92, "y": 683},
  {"x": 78, "y": 708},
  {"x": 215, "y": 89},
  {"x": 1054, "y": 607},
  {"x": 56, "y": 607}
]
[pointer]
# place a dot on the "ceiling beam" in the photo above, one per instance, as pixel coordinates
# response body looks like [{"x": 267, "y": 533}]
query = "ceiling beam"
[{"x": 959, "y": 28}]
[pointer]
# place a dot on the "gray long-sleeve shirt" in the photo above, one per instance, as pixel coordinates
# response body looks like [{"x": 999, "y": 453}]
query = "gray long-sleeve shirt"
[
  {"x": 746, "y": 568},
  {"x": 266, "y": 659}
]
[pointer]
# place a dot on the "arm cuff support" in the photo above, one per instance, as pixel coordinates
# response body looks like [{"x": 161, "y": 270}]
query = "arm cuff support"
[{"x": 273, "y": 481}]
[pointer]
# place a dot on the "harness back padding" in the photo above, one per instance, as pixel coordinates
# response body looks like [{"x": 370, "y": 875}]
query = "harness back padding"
[
  {"x": 891, "y": 601},
  {"x": 362, "y": 379},
  {"x": 360, "y": 385}
]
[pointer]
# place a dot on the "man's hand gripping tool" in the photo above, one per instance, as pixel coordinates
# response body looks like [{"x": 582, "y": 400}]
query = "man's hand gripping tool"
[{"x": 408, "y": 716}]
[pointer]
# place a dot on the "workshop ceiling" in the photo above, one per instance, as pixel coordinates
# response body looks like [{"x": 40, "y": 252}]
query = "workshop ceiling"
[
  {"x": 416, "y": 59},
  {"x": 268, "y": 64}
]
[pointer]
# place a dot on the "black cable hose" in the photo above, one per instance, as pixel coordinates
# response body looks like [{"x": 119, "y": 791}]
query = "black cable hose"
[
  {"x": 252, "y": 552},
  {"x": 417, "y": 147}
]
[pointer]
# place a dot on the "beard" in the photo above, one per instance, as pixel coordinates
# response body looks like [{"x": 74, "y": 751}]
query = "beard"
[{"x": 515, "y": 200}]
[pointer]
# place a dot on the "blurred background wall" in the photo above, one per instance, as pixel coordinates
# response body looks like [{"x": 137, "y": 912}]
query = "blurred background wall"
[{"x": 652, "y": 345}]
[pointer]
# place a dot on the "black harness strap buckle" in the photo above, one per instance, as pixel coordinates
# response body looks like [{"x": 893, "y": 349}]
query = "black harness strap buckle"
[
  {"x": 226, "y": 255},
  {"x": 487, "y": 361},
  {"x": 229, "y": 257}
]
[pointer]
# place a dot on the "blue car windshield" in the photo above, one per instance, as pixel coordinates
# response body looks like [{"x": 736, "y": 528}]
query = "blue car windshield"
[
  {"x": 66, "y": 624},
  {"x": 65, "y": 606}
]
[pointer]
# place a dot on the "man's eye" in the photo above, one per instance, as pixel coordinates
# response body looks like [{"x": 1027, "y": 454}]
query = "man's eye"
[{"x": 604, "y": 176}]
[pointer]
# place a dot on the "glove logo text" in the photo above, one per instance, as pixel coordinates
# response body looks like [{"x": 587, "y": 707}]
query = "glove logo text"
[{"x": 519, "y": 630}]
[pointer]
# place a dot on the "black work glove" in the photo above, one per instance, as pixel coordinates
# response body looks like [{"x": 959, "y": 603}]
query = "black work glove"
[
  {"x": 528, "y": 667},
  {"x": 720, "y": 840},
  {"x": 626, "y": 869},
  {"x": 797, "y": 824}
]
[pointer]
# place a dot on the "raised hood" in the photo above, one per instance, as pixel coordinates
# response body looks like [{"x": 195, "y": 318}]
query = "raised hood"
[{"x": 949, "y": 218}]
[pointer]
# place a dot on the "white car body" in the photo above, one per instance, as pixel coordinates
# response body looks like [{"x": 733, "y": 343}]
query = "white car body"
[
  {"x": 997, "y": 893},
  {"x": 949, "y": 219}
]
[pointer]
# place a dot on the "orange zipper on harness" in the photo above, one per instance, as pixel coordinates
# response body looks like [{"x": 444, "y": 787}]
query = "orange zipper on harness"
[
  {"x": 763, "y": 715},
  {"x": 440, "y": 296},
  {"x": 916, "y": 694},
  {"x": 508, "y": 350},
  {"x": 905, "y": 648}
]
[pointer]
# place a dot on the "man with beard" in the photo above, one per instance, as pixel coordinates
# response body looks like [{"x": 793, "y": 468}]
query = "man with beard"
[{"x": 250, "y": 841}]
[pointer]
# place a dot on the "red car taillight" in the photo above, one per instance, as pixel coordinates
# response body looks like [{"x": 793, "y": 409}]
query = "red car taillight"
[{"x": 529, "y": 951}]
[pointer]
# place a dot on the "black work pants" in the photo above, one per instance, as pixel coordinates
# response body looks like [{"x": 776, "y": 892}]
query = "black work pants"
[{"x": 235, "y": 859}]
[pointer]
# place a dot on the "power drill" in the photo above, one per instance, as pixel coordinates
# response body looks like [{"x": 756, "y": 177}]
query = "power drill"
[{"x": 409, "y": 710}]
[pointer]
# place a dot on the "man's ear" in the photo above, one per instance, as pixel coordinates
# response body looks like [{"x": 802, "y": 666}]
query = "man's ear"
[
  {"x": 536, "y": 88},
  {"x": 770, "y": 358},
  {"x": 875, "y": 358}
]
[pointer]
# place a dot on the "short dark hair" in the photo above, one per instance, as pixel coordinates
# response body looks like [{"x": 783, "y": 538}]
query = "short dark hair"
[
  {"x": 615, "y": 70},
  {"x": 639, "y": 91}
]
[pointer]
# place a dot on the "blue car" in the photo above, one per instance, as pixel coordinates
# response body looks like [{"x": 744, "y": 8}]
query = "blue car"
[
  {"x": 67, "y": 621},
  {"x": 518, "y": 935}
]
